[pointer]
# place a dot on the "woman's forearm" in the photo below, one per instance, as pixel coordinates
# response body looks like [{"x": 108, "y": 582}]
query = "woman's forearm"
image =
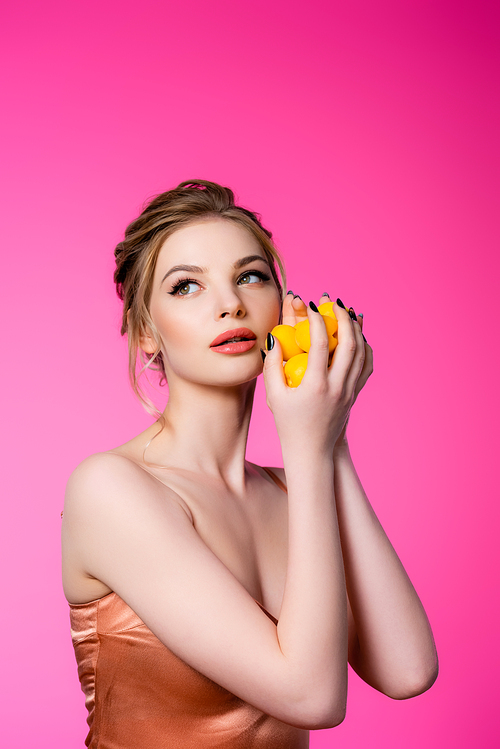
[
  {"x": 394, "y": 650},
  {"x": 312, "y": 628}
]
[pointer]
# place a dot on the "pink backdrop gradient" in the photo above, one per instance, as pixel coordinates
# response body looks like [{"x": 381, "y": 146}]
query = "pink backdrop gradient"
[{"x": 367, "y": 136}]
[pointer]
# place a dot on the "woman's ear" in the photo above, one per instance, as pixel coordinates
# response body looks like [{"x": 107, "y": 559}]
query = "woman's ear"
[{"x": 147, "y": 341}]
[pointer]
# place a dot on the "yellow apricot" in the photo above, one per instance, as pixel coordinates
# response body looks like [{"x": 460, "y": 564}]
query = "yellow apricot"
[
  {"x": 295, "y": 369},
  {"x": 326, "y": 310},
  {"x": 303, "y": 337},
  {"x": 286, "y": 336}
]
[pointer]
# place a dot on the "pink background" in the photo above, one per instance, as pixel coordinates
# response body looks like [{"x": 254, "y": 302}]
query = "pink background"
[{"x": 367, "y": 136}]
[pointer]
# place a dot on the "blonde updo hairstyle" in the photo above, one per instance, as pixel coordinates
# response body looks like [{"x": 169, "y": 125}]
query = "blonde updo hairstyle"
[{"x": 136, "y": 260}]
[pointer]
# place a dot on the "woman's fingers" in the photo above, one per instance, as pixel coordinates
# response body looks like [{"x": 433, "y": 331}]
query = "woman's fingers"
[
  {"x": 358, "y": 360},
  {"x": 294, "y": 309},
  {"x": 274, "y": 376},
  {"x": 325, "y": 297},
  {"x": 317, "y": 360},
  {"x": 288, "y": 313},
  {"x": 352, "y": 360},
  {"x": 299, "y": 308},
  {"x": 346, "y": 349},
  {"x": 367, "y": 370}
]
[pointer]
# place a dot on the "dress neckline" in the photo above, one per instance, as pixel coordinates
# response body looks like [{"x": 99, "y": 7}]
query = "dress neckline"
[{"x": 112, "y": 593}]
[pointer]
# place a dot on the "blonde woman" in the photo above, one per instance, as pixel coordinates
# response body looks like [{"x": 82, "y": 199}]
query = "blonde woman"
[{"x": 214, "y": 602}]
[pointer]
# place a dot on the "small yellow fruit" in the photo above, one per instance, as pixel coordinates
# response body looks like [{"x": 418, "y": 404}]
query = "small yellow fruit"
[
  {"x": 286, "y": 336},
  {"x": 326, "y": 310},
  {"x": 303, "y": 337},
  {"x": 295, "y": 369}
]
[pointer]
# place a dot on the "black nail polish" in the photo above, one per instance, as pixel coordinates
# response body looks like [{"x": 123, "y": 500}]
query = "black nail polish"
[
  {"x": 341, "y": 303},
  {"x": 270, "y": 342},
  {"x": 313, "y": 307},
  {"x": 289, "y": 292},
  {"x": 352, "y": 314},
  {"x": 296, "y": 296},
  {"x": 364, "y": 339},
  {"x": 263, "y": 354}
]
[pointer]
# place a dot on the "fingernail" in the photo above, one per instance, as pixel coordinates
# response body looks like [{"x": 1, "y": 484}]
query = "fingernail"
[
  {"x": 364, "y": 339},
  {"x": 360, "y": 314},
  {"x": 352, "y": 314},
  {"x": 269, "y": 342},
  {"x": 341, "y": 303},
  {"x": 313, "y": 306},
  {"x": 325, "y": 293},
  {"x": 296, "y": 296},
  {"x": 263, "y": 354},
  {"x": 289, "y": 292}
]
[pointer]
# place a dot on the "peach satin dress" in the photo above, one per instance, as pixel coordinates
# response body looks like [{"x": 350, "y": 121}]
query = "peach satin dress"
[{"x": 139, "y": 695}]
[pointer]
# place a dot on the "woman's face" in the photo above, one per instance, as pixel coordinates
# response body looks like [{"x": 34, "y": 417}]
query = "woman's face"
[{"x": 228, "y": 287}]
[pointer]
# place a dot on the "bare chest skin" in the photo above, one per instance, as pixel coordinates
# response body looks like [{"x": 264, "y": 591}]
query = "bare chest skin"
[{"x": 248, "y": 534}]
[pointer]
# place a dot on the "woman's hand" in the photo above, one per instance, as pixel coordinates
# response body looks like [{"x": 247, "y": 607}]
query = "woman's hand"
[
  {"x": 316, "y": 411},
  {"x": 365, "y": 374},
  {"x": 294, "y": 309}
]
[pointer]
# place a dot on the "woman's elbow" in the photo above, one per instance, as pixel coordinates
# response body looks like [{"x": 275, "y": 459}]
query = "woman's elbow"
[
  {"x": 330, "y": 720},
  {"x": 316, "y": 721},
  {"x": 318, "y": 714},
  {"x": 414, "y": 684}
]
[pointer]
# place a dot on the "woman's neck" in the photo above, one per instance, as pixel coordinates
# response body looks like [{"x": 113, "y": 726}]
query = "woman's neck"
[{"x": 206, "y": 431}]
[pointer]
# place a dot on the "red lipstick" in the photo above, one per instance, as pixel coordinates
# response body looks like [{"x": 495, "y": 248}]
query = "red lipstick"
[{"x": 224, "y": 343}]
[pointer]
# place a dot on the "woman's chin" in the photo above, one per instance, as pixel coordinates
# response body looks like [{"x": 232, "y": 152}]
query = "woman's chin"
[{"x": 228, "y": 374}]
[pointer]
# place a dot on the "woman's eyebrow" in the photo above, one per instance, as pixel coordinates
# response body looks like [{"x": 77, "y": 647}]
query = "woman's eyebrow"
[
  {"x": 187, "y": 268},
  {"x": 196, "y": 268},
  {"x": 249, "y": 259}
]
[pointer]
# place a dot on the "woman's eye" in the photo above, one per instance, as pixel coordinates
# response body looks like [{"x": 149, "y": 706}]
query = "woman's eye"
[
  {"x": 248, "y": 276},
  {"x": 183, "y": 289}
]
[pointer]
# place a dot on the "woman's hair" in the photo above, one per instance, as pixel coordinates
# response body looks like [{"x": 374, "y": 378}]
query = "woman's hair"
[{"x": 136, "y": 259}]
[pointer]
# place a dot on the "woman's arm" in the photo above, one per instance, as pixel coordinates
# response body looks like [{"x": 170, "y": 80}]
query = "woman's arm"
[
  {"x": 124, "y": 528},
  {"x": 390, "y": 640},
  {"x": 131, "y": 533},
  {"x": 313, "y": 617},
  {"x": 393, "y": 649}
]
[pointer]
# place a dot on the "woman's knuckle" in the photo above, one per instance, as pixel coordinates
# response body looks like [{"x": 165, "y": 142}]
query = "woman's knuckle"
[
  {"x": 322, "y": 388},
  {"x": 351, "y": 345},
  {"x": 323, "y": 343},
  {"x": 337, "y": 393},
  {"x": 316, "y": 389}
]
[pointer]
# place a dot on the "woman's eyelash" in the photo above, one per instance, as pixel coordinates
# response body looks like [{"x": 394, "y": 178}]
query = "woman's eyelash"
[
  {"x": 183, "y": 281},
  {"x": 263, "y": 276},
  {"x": 180, "y": 284}
]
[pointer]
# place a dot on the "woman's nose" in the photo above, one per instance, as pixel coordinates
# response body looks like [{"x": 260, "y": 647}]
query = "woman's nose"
[{"x": 231, "y": 306}]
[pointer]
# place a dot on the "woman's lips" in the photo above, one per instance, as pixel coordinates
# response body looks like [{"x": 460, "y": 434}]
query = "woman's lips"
[
  {"x": 223, "y": 345},
  {"x": 234, "y": 348}
]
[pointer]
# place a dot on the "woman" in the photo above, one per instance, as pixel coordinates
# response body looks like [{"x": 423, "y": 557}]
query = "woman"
[{"x": 215, "y": 603}]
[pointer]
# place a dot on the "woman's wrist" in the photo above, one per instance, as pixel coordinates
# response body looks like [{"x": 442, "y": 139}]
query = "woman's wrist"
[
  {"x": 300, "y": 453},
  {"x": 341, "y": 445},
  {"x": 341, "y": 442}
]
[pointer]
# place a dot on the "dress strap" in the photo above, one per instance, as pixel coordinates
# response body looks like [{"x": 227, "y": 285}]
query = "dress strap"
[{"x": 276, "y": 480}]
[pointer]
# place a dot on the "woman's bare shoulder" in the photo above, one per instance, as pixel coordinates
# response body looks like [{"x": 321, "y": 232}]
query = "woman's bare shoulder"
[
  {"x": 113, "y": 478},
  {"x": 99, "y": 467}
]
